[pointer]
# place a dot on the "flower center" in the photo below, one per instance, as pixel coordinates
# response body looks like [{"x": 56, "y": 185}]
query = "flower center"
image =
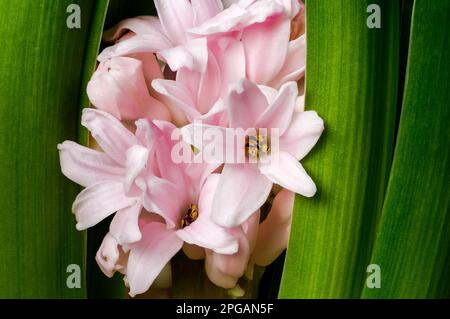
[
  {"x": 190, "y": 216},
  {"x": 256, "y": 145}
]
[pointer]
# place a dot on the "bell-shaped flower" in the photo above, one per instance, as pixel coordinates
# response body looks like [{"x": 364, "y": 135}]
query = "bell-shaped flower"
[
  {"x": 275, "y": 137},
  {"x": 119, "y": 87},
  {"x": 167, "y": 36}
]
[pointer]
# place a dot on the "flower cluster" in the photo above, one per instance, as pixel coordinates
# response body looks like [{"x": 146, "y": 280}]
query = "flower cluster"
[{"x": 201, "y": 66}]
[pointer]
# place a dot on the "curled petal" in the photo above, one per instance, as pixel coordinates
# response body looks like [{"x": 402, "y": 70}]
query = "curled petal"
[
  {"x": 302, "y": 134},
  {"x": 110, "y": 257},
  {"x": 280, "y": 111},
  {"x": 205, "y": 9},
  {"x": 138, "y": 25},
  {"x": 150, "y": 255},
  {"x": 119, "y": 87},
  {"x": 143, "y": 43},
  {"x": 109, "y": 133},
  {"x": 192, "y": 55},
  {"x": 99, "y": 201},
  {"x": 125, "y": 226},
  {"x": 245, "y": 103},
  {"x": 287, "y": 172},
  {"x": 86, "y": 166}
]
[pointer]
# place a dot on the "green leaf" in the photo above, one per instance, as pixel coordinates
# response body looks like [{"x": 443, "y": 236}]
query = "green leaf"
[
  {"x": 351, "y": 81},
  {"x": 412, "y": 247},
  {"x": 40, "y": 74}
]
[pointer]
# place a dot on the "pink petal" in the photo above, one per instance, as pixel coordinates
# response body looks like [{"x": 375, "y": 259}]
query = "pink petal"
[
  {"x": 178, "y": 95},
  {"x": 204, "y": 87},
  {"x": 205, "y": 9},
  {"x": 124, "y": 226},
  {"x": 222, "y": 269},
  {"x": 302, "y": 134},
  {"x": 280, "y": 111},
  {"x": 165, "y": 199},
  {"x": 99, "y": 201},
  {"x": 192, "y": 55},
  {"x": 212, "y": 142},
  {"x": 274, "y": 231},
  {"x": 289, "y": 173},
  {"x": 176, "y": 17},
  {"x": 225, "y": 21},
  {"x": 138, "y": 25},
  {"x": 109, "y": 133},
  {"x": 242, "y": 191},
  {"x": 265, "y": 61},
  {"x": 118, "y": 87},
  {"x": 151, "y": 68},
  {"x": 144, "y": 43},
  {"x": 245, "y": 103},
  {"x": 137, "y": 158},
  {"x": 215, "y": 275},
  {"x": 150, "y": 255},
  {"x": 86, "y": 166},
  {"x": 230, "y": 56},
  {"x": 204, "y": 232},
  {"x": 109, "y": 258},
  {"x": 295, "y": 64}
]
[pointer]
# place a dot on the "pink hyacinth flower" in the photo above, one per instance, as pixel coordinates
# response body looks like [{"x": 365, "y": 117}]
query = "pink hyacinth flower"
[
  {"x": 119, "y": 87},
  {"x": 265, "y": 30},
  {"x": 196, "y": 93},
  {"x": 244, "y": 187},
  {"x": 113, "y": 178},
  {"x": 167, "y": 36}
]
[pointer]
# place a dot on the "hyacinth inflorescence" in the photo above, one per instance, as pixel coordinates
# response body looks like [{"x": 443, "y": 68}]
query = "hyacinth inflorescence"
[{"x": 201, "y": 65}]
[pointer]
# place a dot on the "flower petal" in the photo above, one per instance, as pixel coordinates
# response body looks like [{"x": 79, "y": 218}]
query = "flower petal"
[
  {"x": 205, "y": 9},
  {"x": 279, "y": 113},
  {"x": 245, "y": 103},
  {"x": 265, "y": 61},
  {"x": 138, "y": 25},
  {"x": 295, "y": 64},
  {"x": 302, "y": 134},
  {"x": 178, "y": 95},
  {"x": 287, "y": 172},
  {"x": 205, "y": 87},
  {"x": 109, "y": 133},
  {"x": 204, "y": 232},
  {"x": 176, "y": 17},
  {"x": 125, "y": 227},
  {"x": 143, "y": 43},
  {"x": 222, "y": 269},
  {"x": 119, "y": 87},
  {"x": 137, "y": 157},
  {"x": 192, "y": 55},
  {"x": 150, "y": 255},
  {"x": 86, "y": 166},
  {"x": 273, "y": 234},
  {"x": 242, "y": 191},
  {"x": 165, "y": 199},
  {"x": 109, "y": 258},
  {"x": 227, "y": 20},
  {"x": 98, "y": 201}
]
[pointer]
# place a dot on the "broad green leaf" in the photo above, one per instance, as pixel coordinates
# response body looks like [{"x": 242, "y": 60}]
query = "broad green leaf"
[
  {"x": 41, "y": 63},
  {"x": 412, "y": 246},
  {"x": 351, "y": 81}
]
